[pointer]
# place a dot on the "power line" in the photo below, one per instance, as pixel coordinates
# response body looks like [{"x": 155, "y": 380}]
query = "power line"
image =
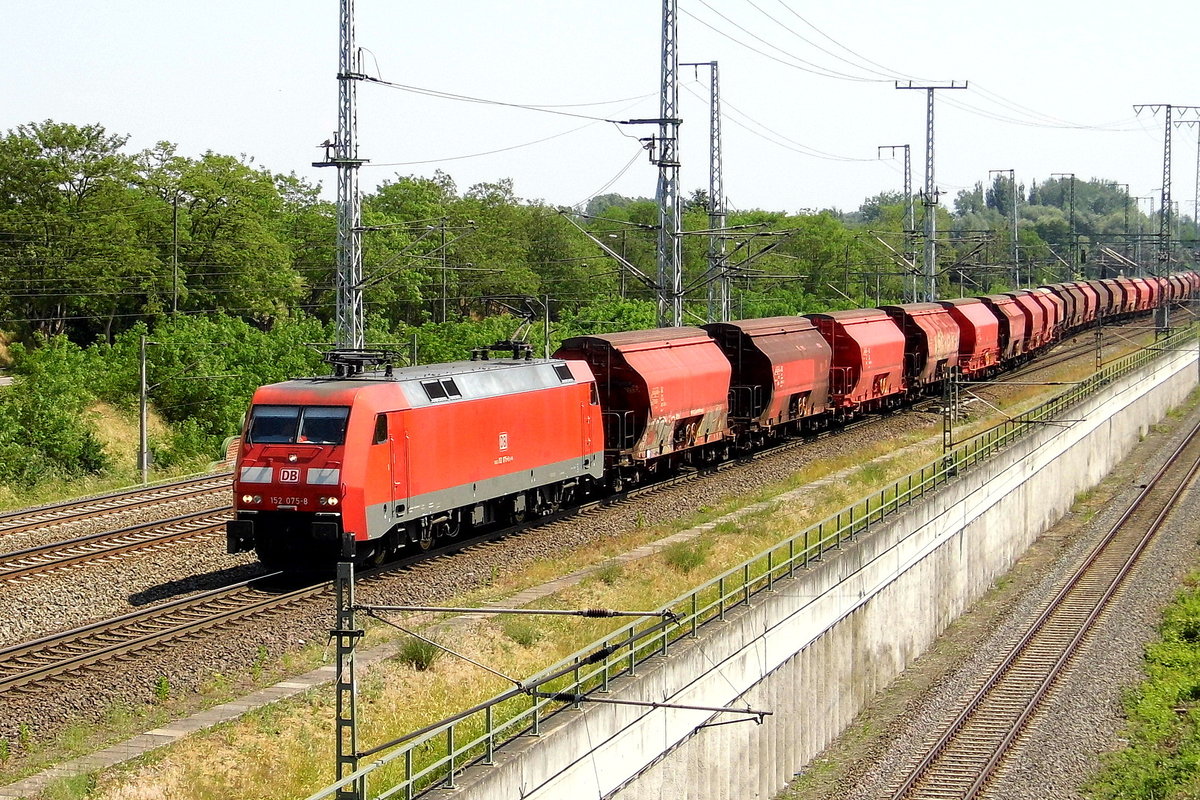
[
  {"x": 812, "y": 69},
  {"x": 890, "y": 75},
  {"x": 485, "y": 152},
  {"x": 799, "y": 147},
  {"x": 543, "y": 109}
]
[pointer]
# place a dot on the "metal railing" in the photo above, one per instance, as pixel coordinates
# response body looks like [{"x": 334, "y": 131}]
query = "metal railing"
[{"x": 434, "y": 756}]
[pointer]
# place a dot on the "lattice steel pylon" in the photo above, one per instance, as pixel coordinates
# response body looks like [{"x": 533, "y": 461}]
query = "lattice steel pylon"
[
  {"x": 929, "y": 195},
  {"x": 342, "y": 153},
  {"x": 1164, "y": 227},
  {"x": 910, "y": 231},
  {"x": 670, "y": 261},
  {"x": 346, "y": 686},
  {"x": 717, "y": 276}
]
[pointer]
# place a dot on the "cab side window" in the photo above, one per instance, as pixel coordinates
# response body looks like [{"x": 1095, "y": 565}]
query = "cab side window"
[{"x": 381, "y": 429}]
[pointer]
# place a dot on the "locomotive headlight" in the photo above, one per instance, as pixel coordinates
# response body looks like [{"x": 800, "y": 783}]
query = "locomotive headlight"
[
  {"x": 251, "y": 498},
  {"x": 328, "y": 501}
]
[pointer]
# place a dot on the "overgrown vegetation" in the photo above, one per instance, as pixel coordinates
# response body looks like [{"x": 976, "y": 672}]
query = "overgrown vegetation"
[
  {"x": 1161, "y": 760},
  {"x": 228, "y": 269}
]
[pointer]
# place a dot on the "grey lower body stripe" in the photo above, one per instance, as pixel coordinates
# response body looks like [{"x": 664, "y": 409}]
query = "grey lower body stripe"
[{"x": 381, "y": 517}]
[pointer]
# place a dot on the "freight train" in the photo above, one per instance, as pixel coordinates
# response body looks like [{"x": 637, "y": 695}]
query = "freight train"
[{"x": 396, "y": 458}]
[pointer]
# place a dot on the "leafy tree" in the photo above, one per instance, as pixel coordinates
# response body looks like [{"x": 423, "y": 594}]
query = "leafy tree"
[
  {"x": 71, "y": 248},
  {"x": 234, "y": 251},
  {"x": 44, "y": 432}
]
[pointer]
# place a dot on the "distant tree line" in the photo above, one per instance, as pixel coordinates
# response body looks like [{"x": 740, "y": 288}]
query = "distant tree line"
[{"x": 229, "y": 269}]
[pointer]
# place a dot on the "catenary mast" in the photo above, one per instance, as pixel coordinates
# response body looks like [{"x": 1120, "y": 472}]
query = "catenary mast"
[{"x": 342, "y": 153}]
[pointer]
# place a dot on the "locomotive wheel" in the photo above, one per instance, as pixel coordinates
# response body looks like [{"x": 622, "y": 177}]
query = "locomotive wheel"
[
  {"x": 617, "y": 483},
  {"x": 425, "y": 540}
]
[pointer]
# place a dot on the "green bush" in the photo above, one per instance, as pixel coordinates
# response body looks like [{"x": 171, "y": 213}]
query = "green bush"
[
  {"x": 1162, "y": 758},
  {"x": 688, "y": 556},
  {"x": 43, "y": 429},
  {"x": 419, "y": 654}
]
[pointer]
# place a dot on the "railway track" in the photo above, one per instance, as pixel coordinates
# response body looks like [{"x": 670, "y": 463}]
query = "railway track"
[
  {"x": 41, "y": 662},
  {"x": 72, "y": 510},
  {"x": 53, "y": 659},
  {"x": 965, "y": 757},
  {"x": 107, "y": 544}
]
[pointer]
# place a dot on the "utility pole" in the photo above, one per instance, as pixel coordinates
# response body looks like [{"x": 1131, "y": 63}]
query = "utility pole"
[
  {"x": 1074, "y": 241},
  {"x": 143, "y": 449},
  {"x": 1125, "y": 230},
  {"x": 342, "y": 153},
  {"x": 442, "y": 250},
  {"x": 1164, "y": 228},
  {"x": 929, "y": 196},
  {"x": 1139, "y": 198},
  {"x": 718, "y": 276},
  {"x": 1012, "y": 179},
  {"x": 174, "y": 254},
  {"x": 910, "y": 232},
  {"x": 670, "y": 262}
]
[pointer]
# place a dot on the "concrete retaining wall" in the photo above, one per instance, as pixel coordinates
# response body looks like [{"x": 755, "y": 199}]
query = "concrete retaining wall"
[{"x": 819, "y": 647}]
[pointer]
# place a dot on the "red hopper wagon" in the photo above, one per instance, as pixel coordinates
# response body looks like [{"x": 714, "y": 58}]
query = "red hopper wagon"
[
  {"x": 780, "y": 373},
  {"x": 665, "y": 395}
]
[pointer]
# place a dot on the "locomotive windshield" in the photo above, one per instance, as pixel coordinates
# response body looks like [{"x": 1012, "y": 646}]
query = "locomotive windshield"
[{"x": 298, "y": 424}]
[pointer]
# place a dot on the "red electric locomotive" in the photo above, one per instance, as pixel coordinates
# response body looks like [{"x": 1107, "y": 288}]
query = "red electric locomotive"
[{"x": 404, "y": 456}]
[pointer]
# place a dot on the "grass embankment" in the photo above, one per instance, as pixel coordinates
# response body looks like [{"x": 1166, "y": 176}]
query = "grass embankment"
[
  {"x": 1161, "y": 760},
  {"x": 117, "y": 430},
  {"x": 396, "y": 697}
]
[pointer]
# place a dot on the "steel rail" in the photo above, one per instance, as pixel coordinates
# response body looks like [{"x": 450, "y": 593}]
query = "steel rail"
[
  {"x": 56, "y": 555},
  {"x": 70, "y": 510},
  {"x": 1080, "y": 627}
]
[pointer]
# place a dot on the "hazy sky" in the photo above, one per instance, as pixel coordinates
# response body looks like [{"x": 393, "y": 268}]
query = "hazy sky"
[{"x": 1052, "y": 85}]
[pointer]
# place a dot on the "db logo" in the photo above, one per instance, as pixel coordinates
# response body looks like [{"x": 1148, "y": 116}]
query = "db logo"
[
  {"x": 503, "y": 442},
  {"x": 289, "y": 475}
]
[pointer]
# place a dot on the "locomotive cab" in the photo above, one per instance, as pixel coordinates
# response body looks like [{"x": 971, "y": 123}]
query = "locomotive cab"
[{"x": 289, "y": 480}]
